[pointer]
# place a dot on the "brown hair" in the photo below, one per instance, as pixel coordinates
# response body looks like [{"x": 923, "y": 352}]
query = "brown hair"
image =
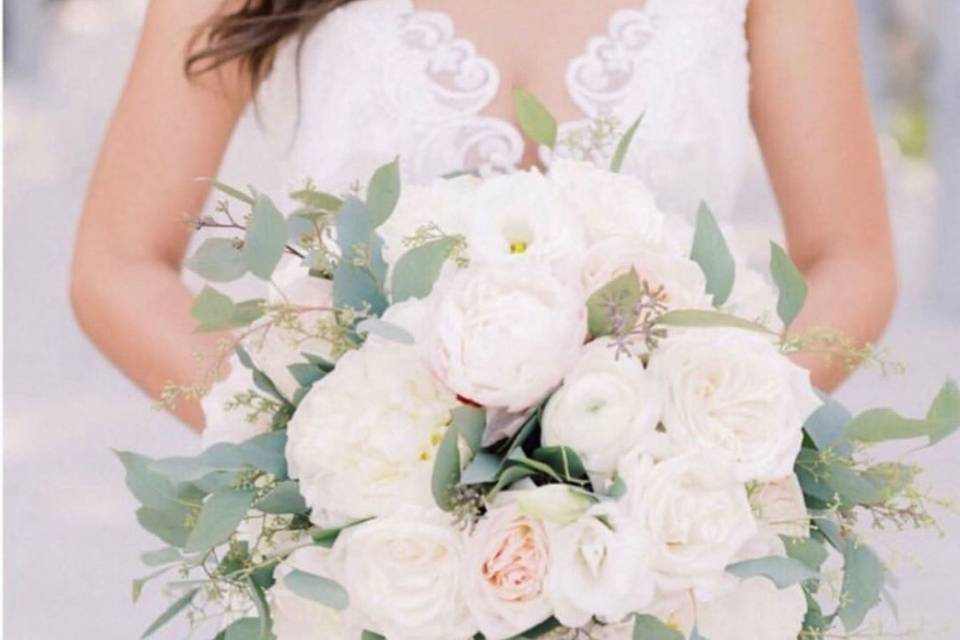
[{"x": 249, "y": 32}]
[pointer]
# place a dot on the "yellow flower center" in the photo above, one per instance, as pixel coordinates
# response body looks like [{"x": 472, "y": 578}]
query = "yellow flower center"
[{"x": 518, "y": 247}]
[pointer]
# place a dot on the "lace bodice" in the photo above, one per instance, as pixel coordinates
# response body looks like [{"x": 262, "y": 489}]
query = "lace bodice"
[{"x": 380, "y": 78}]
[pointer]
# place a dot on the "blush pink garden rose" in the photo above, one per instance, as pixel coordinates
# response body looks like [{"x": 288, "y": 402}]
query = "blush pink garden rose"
[{"x": 508, "y": 557}]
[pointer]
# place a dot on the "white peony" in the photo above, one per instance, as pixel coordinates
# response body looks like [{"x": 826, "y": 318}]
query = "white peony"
[
  {"x": 696, "y": 514},
  {"x": 440, "y": 207},
  {"x": 517, "y": 219},
  {"x": 508, "y": 557},
  {"x": 363, "y": 440},
  {"x": 607, "y": 404},
  {"x": 224, "y": 419},
  {"x": 296, "y": 617},
  {"x": 780, "y": 506},
  {"x": 611, "y": 205},
  {"x": 505, "y": 336},
  {"x": 683, "y": 282},
  {"x": 404, "y": 576},
  {"x": 600, "y": 566},
  {"x": 733, "y": 395}
]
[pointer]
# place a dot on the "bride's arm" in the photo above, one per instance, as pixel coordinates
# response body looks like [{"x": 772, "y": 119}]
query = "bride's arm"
[
  {"x": 166, "y": 131},
  {"x": 810, "y": 111}
]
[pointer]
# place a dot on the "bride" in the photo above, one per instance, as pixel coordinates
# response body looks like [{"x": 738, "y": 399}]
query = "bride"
[{"x": 431, "y": 80}]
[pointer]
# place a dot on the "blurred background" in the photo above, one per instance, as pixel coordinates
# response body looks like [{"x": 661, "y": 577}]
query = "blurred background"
[{"x": 71, "y": 541}]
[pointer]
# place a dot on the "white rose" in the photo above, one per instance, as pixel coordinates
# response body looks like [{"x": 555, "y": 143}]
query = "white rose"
[
  {"x": 696, "y": 514},
  {"x": 600, "y": 566},
  {"x": 404, "y": 576},
  {"x": 609, "y": 204},
  {"x": 780, "y": 505},
  {"x": 607, "y": 404},
  {"x": 362, "y": 441},
  {"x": 441, "y": 206},
  {"x": 508, "y": 556},
  {"x": 683, "y": 282},
  {"x": 505, "y": 336},
  {"x": 733, "y": 395},
  {"x": 518, "y": 219},
  {"x": 296, "y": 617},
  {"x": 226, "y": 419}
]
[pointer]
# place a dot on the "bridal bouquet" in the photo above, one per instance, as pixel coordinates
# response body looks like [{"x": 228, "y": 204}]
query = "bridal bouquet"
[{"x": 523, "y": 406}]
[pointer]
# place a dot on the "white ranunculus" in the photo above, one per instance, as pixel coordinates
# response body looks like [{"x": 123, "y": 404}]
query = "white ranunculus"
[
  {"x": 505, "y": 336},
  {"x": 733, "y": 395},
  {"x": 607, "y": 404},
  {"x": 296, "y": 617},
  {"x": 555, "y": 503},
  {"x": 362, "y": 441},
  {"x": 404, "y": 576},
  {"x": 696, "y": 514},
  {"x": 224, "y": 419},
  {"x": 443, "y": 205},
  {"x": 599, "y": 566},
  {"x": 780, "y": 505},
  {"x": 609, "y": 204},
  {"x": 508, "y": 557},
  {"x": 683, "y": 282},
  {"x": 517, "y": 219}
]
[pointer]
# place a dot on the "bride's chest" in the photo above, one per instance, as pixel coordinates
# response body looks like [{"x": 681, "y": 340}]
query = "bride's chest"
[{"x": 432, "y": 80}]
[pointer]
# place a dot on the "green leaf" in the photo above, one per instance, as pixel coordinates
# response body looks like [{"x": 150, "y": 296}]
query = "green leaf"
[
  {"x": 417, "y": 270},
  {"x": 306, "y": 374},
  {"x": 317, "y": 588},
  {"x": 246, "y": 312},
  {"x": 172, "y": 611},
  {"x": 231, "y": 191},
  {"x": 809, "y": 551},
  {"x": 446, "y": 468},
  {"x": 534, "y": 119},
  {"x": 710, "y": 251},
  {"x": 616, "y": 162},
  {"x": 263, "y": 609},
  {"x": 245, "y": 629},
  {"x": 827, "y": 424},
  {"x": 563, "y": 460},
  {"x": 168, "y": 525},
  {"x": 317, "y": 200},
  {"x": 790, "y": 283},
  {"x": 863, "y": 577},
  {"x": 370, "y": 635},
  {"x": 212, "y": 309},
  {"x": 326, "y": 537},
  {"x": 266, "y": 238},
  {"x": 138, "y": 584},
  {"x": 783, "y": 572},
  {"x": 944, "y": 413},
  {"x": 646, "y": 627},
  {"x": 284, "y": 498},
  {"x": 880, "y": 425},
  {"x": 222, "y": 512},
  {"x": 160, "y": 556},
  {"x": 539, "y": 631},
  {"x": 509, "y": 476},
  {"x": 470, "y": 421},
  {"x": 707, "y": 318},
  {"x": 355, "y": 288},
  {"x": 267, "y": 453},
  {"x": 383, "y": 192},
  {"x": 385, "y": 330},
  {"x": 614, "y": 302},
  {"x": 217, "y": 260},
  {"x": 483, "y": 468}
]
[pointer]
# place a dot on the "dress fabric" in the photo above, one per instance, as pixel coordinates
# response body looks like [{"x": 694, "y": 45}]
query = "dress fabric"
[{"x": 377, "y": 79}]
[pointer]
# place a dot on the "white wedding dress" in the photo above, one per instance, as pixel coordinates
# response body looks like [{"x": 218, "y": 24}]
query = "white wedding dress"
[{"x": 382, "y": 78}]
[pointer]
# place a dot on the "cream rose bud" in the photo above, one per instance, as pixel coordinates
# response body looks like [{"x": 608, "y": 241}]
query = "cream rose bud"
[
  {"x": 404, "y": 576},
  {"x": 780, "y": 506},
  {"x": 505, "y": 336},
  {"x": 683, "y": 282},
  {"x": 296, "y": 617},
  {"x": 362, "y": 441},
  {"x": 733, "y": 395},
  {"x": 695, "y": 513},
  {"x": 599, "y": 566},
  {"x": 609, "y": 204},
  {"x": 607, "y": 404},
  {"x": 517, "y": 219},
  {"x": 506, "y": 567}
]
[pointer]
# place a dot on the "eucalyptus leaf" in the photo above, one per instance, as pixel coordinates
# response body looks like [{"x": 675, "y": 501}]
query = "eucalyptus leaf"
[
  {"x": 710, "y": 251},
  {"x": 647, "y": 627},
  {"x": 416, "y": 271},
  {"x": 266, "y": 238},
  {"x": 827, "y": 424},
  {"x": 355, "y": 288},
  {"x": 370, "y": 635},
  {"x": 880, "y": 425},
  {"x": 446, "y": 468},
  {"x": 172, "y": 611},
  {"x": 317, "y": 588},
  {"x": 385, "y": 330},
  {"x": 168, "y": 525},
  {"x": 534, "y": 119},
  {"x": 790, "y": 283},
  {"x": 707, "y": 318},
  {"x": 317, "y": 200},
  {"x": 265, "y": 622},
  {"x": 217, "y": 260},
  {"x": 283, "y": 498},
  {"x": 383, "y": 192},
  {"x": 471, "y": 422},
  {"x": 620, "y": 154},
  {"x": 809, "y": 551},
  {"x": 222, "y": 512},
  {"x": 483, "y": 468},
  {"x": 306, "y": 374},
  {"x": 160, "y": 556},
  {"x": 233, "y": 192},
  {"x": 613, "y": 305},
  {"x": 508, "y": 477},
  {"x": 944, "y": 413},
  {"x": 212, "y": 309},
  {"x": 563, "y": 460},
  {"x": 266, "y": 452},
  {"x": 863, "y": 578},
  {"x": 326, "y": 537},
  {"x": 782, "y": 571},
  {"x": 245, "y": 629}
]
